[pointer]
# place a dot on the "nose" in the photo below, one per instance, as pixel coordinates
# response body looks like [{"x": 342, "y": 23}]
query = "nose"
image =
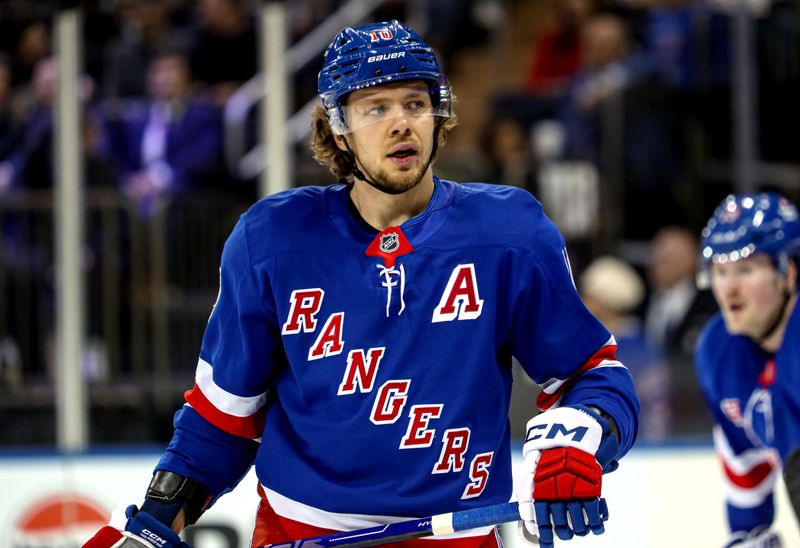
[
  {"x": 400, "y": 125},
  {"x": 729, "y": 286}
]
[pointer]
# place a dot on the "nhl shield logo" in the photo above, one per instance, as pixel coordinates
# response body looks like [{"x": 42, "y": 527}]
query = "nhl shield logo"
[
  {"x": 389, "y": 242},
  {"x": 389, "y": 245}
]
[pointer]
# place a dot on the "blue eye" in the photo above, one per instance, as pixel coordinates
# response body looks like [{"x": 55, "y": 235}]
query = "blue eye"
[
  {"x": 415, "y": 107},
  {"x": 376, "y": 110}
]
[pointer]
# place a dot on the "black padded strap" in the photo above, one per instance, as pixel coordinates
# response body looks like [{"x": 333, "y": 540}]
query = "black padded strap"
[{"x": 176, "y": 492}]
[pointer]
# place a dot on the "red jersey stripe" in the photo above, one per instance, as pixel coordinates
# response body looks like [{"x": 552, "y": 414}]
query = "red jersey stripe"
[
  {"x": 546, "y": 400},
  {"x": 251, "y": 426}
]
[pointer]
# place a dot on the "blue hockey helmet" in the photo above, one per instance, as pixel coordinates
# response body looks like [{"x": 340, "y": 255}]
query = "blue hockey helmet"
[
  {"x": 745, "y": 224},
  {"x": 375, "y": 54}
]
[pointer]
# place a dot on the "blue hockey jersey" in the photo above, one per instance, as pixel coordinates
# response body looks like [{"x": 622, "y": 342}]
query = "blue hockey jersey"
[
  {"x": 754, "y": 398},
  {"x": 375, "y": 369}
]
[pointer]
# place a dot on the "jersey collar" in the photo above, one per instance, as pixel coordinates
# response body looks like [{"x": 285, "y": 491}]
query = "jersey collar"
[{"x": 417, "y": 229}]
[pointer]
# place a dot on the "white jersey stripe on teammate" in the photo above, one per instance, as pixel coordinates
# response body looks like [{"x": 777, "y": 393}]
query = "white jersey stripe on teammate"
[{"x": 749, "y": 477}]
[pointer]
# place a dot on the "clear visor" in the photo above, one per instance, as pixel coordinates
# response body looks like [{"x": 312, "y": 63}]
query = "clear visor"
[{"x": 373, "y": 109}]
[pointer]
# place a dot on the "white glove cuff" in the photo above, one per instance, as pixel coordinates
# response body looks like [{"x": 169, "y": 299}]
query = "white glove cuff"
[
  {"x": 563, "y": 427},
  {"x": 118, "y": 518}
]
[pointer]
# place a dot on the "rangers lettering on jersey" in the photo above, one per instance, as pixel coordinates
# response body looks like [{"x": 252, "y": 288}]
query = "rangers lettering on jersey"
[
  {"x": 389, "y": 401},
  {"x": 329, "y": 342},
  {"x": 479, "y": 474},
  {"x": 418, "y": 434},
  {"x": 361, "y": 370},
  {"x": 455, "y": 443},
  {"x": 303, "y": 309}
]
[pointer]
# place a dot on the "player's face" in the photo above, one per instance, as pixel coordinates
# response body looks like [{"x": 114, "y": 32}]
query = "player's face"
[
  {"x": 750, "y": 293},
  {"x": 394, "y": 135}
]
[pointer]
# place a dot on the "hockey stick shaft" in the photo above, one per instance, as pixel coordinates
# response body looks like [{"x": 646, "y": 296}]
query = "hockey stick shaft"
[{"x": 414, "y": 528}]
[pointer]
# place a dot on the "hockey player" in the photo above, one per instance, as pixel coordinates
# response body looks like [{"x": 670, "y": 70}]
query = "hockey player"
[
  {"x": 360, "y": 348},
  {"x": 748, "y": 357}
]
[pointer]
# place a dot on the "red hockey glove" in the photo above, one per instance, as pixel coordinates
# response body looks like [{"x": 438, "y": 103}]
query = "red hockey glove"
[{"x": 561, "y": 480}]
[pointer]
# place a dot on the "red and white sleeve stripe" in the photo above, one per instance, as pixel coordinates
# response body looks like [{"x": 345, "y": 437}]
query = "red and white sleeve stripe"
[
  {"x": 749, "y": 476},
  {"x": 238, "y": 415},
  {"x": 554, "y": 388}
]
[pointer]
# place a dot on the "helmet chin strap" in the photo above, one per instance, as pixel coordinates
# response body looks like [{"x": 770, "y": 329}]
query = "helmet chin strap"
[{"x": 358, "y": 174}]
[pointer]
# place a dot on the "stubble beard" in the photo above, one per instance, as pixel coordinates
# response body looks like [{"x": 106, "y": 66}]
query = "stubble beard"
[
  {"x": 395, "y": 181},
  {"x": 398, "y": 183}
]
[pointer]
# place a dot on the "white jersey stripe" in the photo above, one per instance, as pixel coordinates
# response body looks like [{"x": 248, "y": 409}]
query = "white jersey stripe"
[
  {"x": 231, "y": 404},
  {"x": 551, "y": 386},
  {"x": 309, "y": 515}
]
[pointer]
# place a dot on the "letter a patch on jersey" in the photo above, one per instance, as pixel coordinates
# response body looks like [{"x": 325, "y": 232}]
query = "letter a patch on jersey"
[{"x": 460, "y": 300}]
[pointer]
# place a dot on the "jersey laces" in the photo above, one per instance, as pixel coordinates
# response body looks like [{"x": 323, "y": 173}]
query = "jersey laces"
[{"x": 393, "y": 277}]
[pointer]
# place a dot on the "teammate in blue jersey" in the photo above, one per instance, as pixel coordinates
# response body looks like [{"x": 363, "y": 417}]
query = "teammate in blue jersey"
[
  {"x": 360, "y": 349},
  {"x": 748, "y": 357}
]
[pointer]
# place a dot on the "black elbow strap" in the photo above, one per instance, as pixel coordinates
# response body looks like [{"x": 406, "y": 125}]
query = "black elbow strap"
[
  {"x": 170, "y": 488},
  {"x": 611, "y": 422}
]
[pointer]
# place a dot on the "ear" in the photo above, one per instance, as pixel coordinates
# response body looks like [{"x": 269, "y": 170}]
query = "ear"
[
  {"x": 791, "y": 275},
  {"x": 339, "y": 140}
]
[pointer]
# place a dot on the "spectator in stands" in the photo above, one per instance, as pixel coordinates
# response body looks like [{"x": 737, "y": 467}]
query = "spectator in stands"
[
  {"x": 676, "y": 310},
  {"x": 675, "y": 315},
  {"x": 557, "y": 52},
  {"x": 26, "y": 234},
  {"x": 688, "y": 44},
  {"x": 605, "y": 73},
  {"x": 613, "y": 291},
  {"x": 456, "y": 24},
  {"x": 145, "y": 30},
  {"x": 28, "y": 163},
  {"x": 508, "y": 158},
  {"x": 170, "y": 143},
  {"x": 614, "y": 117},
  {"x": 224, "y": 49},
  {"x": 31, "y": 48},
  {"x": 9, "y": 122}
]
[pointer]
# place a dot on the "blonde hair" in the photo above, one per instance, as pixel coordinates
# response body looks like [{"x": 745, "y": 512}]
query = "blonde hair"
[{"x": 327, "y": 153}]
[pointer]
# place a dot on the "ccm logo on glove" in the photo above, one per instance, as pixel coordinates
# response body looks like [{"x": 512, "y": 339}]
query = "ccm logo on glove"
[
  {"x": 536, "y": 432},
  {"x": 147, "y": 534}
]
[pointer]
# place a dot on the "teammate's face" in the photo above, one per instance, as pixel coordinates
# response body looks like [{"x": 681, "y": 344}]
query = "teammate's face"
[
  {"x": 394, "y": 138},
  {"x": 750, "y": 293}
]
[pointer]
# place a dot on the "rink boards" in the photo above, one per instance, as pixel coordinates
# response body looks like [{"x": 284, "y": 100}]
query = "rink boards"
[{"x": 659, "y": 497}]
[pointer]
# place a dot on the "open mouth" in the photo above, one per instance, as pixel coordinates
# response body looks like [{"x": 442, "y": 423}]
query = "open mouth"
[{"x": 403, "y": 152}]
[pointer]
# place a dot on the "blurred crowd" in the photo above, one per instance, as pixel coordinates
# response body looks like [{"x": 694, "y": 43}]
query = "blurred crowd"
[
  {"x": 156, "y": 77},
  {"x": 621, "y": 124},
  {"x": 641, "y": 92}
]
